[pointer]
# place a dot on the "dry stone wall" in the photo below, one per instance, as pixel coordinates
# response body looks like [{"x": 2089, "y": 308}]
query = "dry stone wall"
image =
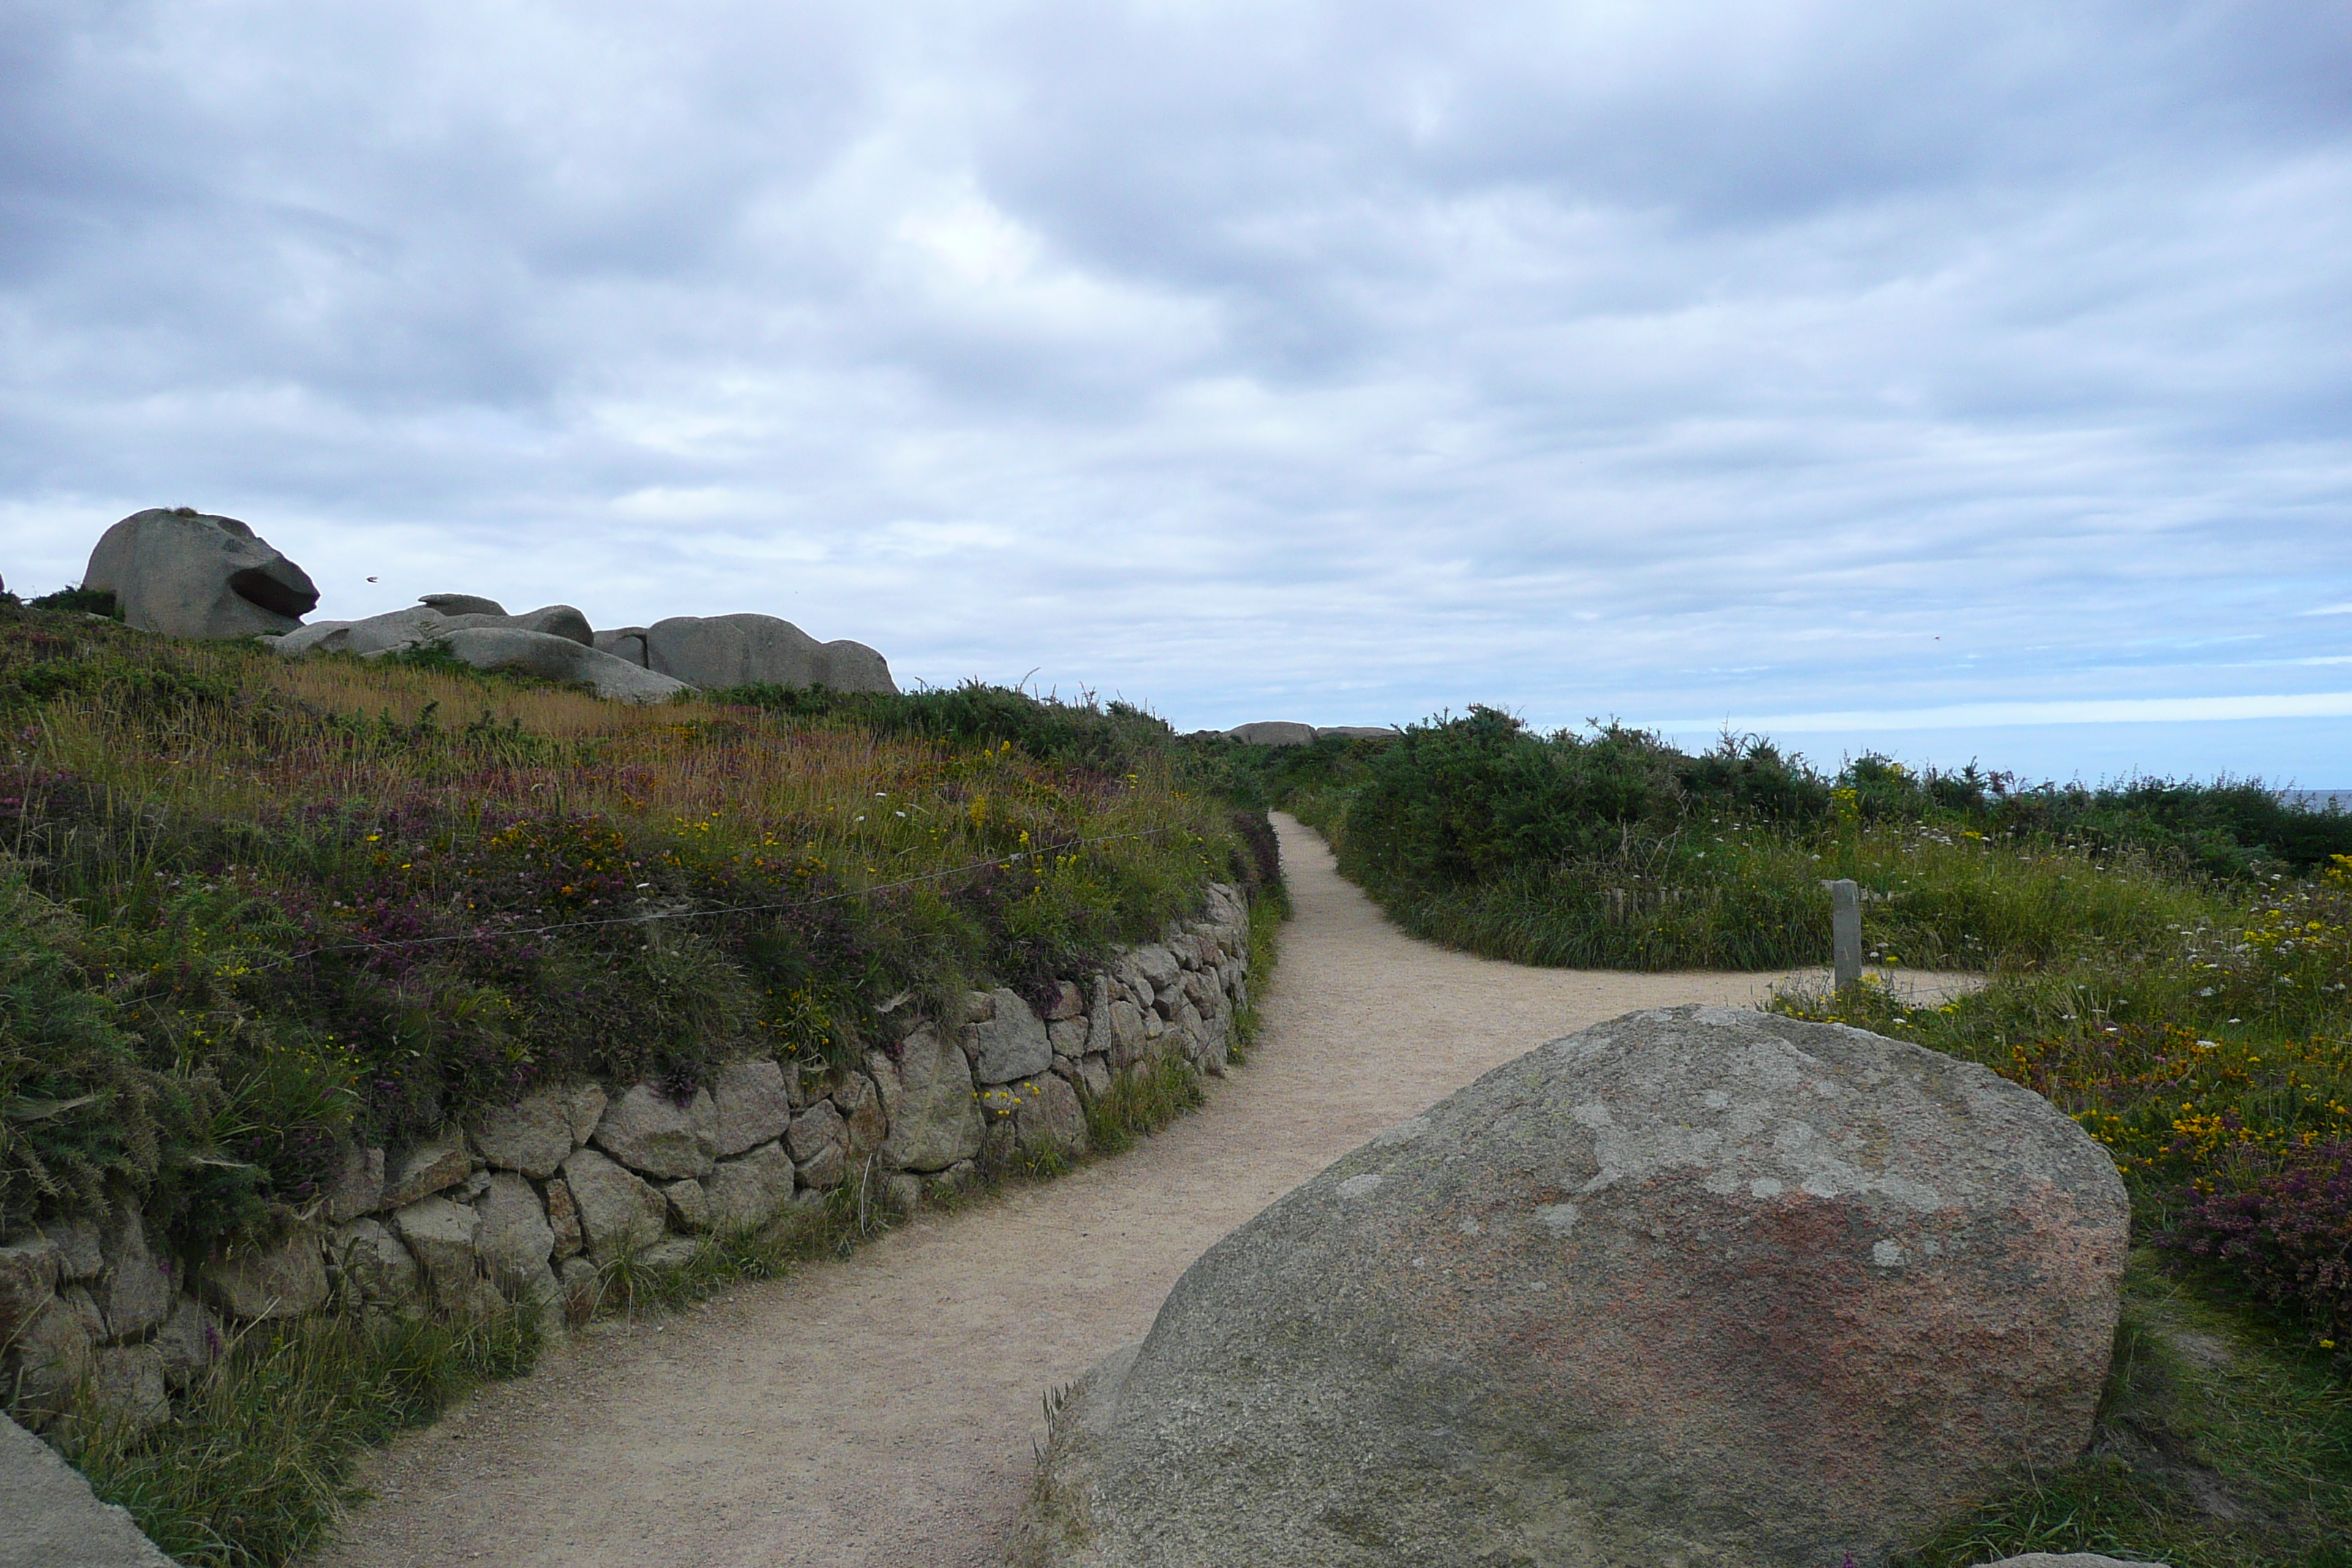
[{"x": 529, "y": 1204}]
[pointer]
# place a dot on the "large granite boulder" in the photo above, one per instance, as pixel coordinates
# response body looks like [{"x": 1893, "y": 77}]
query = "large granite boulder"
[
  {"x": 188, "y": 574},
  {"x": 739, "y": 650},
  {"x": 1694, "y": 1284}
]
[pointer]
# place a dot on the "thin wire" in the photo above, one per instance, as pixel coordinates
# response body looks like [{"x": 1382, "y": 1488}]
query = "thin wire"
[{"x": 651, "y": 915}]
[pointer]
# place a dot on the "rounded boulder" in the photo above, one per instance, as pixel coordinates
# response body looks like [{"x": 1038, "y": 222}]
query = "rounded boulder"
[
  {"x": 1694, "y": 1284},
  {"x": 186, "y": 574}
]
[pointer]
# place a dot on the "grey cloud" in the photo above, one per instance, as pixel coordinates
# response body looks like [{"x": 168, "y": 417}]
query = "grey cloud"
[{"x": 1367, "y": 360}]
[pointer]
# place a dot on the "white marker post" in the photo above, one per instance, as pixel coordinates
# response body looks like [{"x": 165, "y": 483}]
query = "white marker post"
[{"x": 1845, "y": 931}]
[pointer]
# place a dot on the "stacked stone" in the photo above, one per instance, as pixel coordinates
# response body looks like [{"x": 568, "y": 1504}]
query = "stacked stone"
[{"x": 529, "y": 1203}]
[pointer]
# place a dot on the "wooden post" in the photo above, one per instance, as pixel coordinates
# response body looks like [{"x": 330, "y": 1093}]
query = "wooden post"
[{"x": 1845, "y": 931}]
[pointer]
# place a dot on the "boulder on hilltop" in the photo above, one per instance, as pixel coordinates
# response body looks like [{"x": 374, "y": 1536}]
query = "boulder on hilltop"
[
  {"x": 1284, "y": 733},
  {"x": 553, "y": 643},
  {"x": 187, "y": 574},
  {"x": 1274, "y": 732},
  {"x": 747, "y": 649},
  {"x": 1694, "y": 1285}
]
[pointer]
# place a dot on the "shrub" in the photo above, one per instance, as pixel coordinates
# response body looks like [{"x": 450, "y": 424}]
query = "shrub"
[{"x": 2283, "y": 1229}]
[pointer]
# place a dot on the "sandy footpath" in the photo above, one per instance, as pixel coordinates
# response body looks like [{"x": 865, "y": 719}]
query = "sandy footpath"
[{"x": 879, "y": 1411}]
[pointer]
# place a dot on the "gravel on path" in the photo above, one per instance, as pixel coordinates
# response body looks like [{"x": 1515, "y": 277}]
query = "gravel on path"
[{"x": 880, "y": 1412}]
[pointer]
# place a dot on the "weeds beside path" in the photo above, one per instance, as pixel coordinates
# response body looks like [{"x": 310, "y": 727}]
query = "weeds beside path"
[{"x": 878, "y": 1412}]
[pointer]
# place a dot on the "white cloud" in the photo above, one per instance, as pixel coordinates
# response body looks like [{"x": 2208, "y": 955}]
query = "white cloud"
[{"x": 1821, "y": 359}]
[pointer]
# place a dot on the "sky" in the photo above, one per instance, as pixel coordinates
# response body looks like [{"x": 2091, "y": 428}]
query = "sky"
[{"x": 1961, "y": 381}]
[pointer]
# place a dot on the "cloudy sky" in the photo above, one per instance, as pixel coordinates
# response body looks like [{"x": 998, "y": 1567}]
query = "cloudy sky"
[{"x": 1964, "y": 380}]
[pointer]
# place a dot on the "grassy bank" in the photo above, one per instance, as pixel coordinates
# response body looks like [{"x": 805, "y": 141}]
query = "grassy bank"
[
  {"x": 253, "y": 910},
  {"x": 2169, "y": 962},
  {"x": 250, "y": 908}
]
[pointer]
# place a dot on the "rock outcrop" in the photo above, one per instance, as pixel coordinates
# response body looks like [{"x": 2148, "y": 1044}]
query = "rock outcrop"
[
  {"x": 1284, "y": 732},
  {"x": 1694, "y": 1284},
  {"x": 714, "y": 651},
  {"x": 553, "y": 643},
  {"x": 186, "y": 574}
]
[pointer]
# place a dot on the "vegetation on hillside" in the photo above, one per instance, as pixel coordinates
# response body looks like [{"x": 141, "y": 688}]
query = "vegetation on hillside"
[
  {"x": 252, "y": 909},
  {"x": 249, "y": 908},
  {"x": 2169, "y": 962}
]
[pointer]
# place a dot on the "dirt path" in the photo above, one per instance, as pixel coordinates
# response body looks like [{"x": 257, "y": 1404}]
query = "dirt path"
[{"x": 878, "y": 1413}]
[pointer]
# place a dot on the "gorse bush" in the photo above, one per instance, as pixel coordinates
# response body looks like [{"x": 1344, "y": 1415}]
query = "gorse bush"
[{"x": 250, "y": 908}]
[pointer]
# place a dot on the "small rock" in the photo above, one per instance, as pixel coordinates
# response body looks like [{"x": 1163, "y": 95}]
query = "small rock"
[
  {"x": 583, "y": 1107},
  {"x": 652, "y": 1134},
  {"x": 1068, "y": 1037},
  {"x": 814, "y": 1132},
  {"x": 532, "y": 1135},
  {"x": 928, "y": 1096},
  {"x": 515, "y": 1240},
  {"x": 1049, "y": 1117},
  {"x": 126, "y": 1384},
  {"x": 53, "y": 1353},
  {"x": 861, "y": 1108},
  {"x": 903, "y": 1193},
  {"x": 667, "y": 1257},
  {"x": 428, "y": 1167},
  {"x": 748, "y": 1192},
  {"x": 690, "y": 1206},
  {"x": 1068, "y": 1003},
  {"x": 1160, "y": 966},
  {"x": 563, "y": 1220},
  {"x": 29, "y": 1278},
  {"x": 1094, "y": 1077},
  {"x": 371, "y": 1261},
  {"x": 284, "y": 1280},
  {"x": 1011, "y": 1045},
  {"x": 582, "y": 1287},
  {"x": 443, "y": 1237},
  {"x": 1127, "y": 1037},
  {"x": 357, "y": 1185},
  {"x": 952, "y": 1183},
  {"x": 79, "y": 1256},
  {"x": 190, "y": 1341},
  {"x": 619, "y": 1214},
  {"x": 754, "y": 1106},
  {"x": 135, "y": 1291}
]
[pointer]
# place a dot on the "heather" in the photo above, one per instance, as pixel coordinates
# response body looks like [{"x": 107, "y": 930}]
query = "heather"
[{"x": 254, "y": 907}]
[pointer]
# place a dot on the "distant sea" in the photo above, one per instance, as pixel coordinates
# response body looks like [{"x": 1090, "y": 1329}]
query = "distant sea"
[{"x": 2318, "y": 799}]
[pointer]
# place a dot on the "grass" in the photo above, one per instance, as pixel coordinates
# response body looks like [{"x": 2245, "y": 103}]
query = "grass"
[{"x": 2219, "y": 1444}]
